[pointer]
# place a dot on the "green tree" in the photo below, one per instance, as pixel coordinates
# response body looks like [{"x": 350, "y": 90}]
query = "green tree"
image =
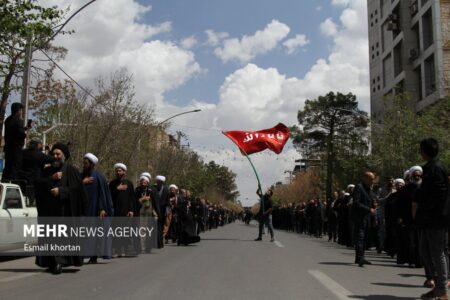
[
  {"x": 222, "y": 179},
  {"x": 22, "y": 23},
  {"x": 396, "y": 136},
  {"x": 331, "y": 125}
]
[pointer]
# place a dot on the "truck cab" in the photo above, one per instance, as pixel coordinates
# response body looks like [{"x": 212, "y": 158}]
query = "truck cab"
[{"x": 15, "y": 211}]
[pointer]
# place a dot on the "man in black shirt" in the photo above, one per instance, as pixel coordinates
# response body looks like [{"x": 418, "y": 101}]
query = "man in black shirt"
[
  {"x": 265, "y": 214},
  {"x": 432, "y": 218},
  {"x": 15, "y": 134},
  {"x": 362, "y": 209}
]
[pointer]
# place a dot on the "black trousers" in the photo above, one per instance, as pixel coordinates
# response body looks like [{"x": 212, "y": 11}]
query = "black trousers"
[
  {"x": 13, "y": 164},
  {"x": 359, "y": 234}
]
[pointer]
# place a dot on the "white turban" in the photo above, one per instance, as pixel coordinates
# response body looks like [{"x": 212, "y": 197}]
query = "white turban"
[
  {"x": 146, "y": 174},
  {"x": 406, "y": 174},
  {"x": 414, "y": 169},
  {"x": 161, "y": 178},
  {"x": 120, "y": 166},
  {"x": 350, "y": 186},
  {"x": 91, "y": 157},
  {"x": 144, "y": 178},
  {"x": 173, "y": 186},
  {"x": 399, "y": 180},
  {"x": 346, "y": 194}
]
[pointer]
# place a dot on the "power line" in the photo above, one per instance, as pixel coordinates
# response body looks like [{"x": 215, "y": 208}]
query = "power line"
[
  {"x": 70, "y": 77},
  {"x": 199, "y": 128},
  {"x": 61, "y": 26}
]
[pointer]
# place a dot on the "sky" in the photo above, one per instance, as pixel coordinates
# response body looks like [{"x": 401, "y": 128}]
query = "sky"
[{"x": 248, "y": 64}]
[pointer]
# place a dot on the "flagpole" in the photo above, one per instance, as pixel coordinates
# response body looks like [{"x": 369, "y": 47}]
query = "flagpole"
[{"x": 261, "y": 201}]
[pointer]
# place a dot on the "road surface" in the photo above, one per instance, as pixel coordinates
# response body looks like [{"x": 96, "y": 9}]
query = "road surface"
[{"x": 226, "y": 264}]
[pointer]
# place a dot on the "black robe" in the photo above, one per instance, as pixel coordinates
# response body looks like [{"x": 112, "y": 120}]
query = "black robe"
[
  {"x": 71, "y": 202},
  {"x": 186, "y": 232},
  {"x": 123, "y": 201}
]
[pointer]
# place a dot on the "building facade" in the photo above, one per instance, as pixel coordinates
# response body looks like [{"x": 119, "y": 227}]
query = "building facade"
[{"x": 409, "y": 44}]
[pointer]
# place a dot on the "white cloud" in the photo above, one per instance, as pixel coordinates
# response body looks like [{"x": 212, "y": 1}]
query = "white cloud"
[
  {"x": 299, "y": 41},
  {"x": 110, "y": 35},
  {"x": 341, "y": 2},
  {"x": 189, "y": 42},
  {"x": 215, "y": 38},
  {"x": 319, "y": 8},
  {"x": 328, "y": 27},
  {"x": 257, "y": 98},
  {"x": 248, "y": 47}
]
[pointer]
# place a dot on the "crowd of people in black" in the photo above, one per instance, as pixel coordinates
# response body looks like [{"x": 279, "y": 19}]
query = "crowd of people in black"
[
  {"x": 60, "y": 190},
  {"x": 407, "y": 219}
]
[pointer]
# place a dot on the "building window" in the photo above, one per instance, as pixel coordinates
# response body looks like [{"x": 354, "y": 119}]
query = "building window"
[
  {"x": 418, "y": 75},
  {"x": 398, "y": 66},
  {"x": 387, "y": 71},
  {"x": 430, "y": 76},
  {"x": 416, "y": 32},
  {"x": 427, "y": 29}
]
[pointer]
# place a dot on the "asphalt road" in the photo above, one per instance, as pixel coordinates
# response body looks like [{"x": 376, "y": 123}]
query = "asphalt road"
[{"x": 226, "y": 264}]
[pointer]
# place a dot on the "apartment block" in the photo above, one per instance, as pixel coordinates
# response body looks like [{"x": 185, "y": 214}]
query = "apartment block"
[{"x": 409, "y": 44}]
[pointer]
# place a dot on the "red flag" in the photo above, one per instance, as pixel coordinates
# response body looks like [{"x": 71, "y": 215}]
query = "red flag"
[{"x": 252, "y": 142}]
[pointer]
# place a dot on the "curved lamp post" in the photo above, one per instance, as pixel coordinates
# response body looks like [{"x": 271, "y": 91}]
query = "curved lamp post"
[{"x": 174, "y": 116}]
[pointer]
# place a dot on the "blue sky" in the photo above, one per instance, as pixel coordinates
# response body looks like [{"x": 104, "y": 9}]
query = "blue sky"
[
  {"x": 239, "y": 18},
  {"x": 255, "y": 68}
]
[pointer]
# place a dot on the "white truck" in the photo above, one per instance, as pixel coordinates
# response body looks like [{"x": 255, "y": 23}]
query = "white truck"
[{"x": 15, "y": 211}]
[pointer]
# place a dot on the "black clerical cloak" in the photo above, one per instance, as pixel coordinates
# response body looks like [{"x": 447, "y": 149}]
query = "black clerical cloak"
[{"x": 71, "y": 202}]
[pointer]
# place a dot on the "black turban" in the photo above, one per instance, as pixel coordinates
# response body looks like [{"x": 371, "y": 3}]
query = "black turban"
[{"x": 63, "y": 148}]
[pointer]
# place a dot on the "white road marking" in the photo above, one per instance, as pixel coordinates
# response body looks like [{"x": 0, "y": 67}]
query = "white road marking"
[
  {"x": 338, "y": 290},
  {"x": 17, "y": 277},
  {"x": 279, "y": 244}
]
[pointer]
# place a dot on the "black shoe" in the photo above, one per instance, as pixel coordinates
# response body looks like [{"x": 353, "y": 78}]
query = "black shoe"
[
  {"x": 56, "y": 269},
  {"x": 92, "y": 260},
  {"x": 258, "y": 239},
  {"x": 364, "y": 262}
]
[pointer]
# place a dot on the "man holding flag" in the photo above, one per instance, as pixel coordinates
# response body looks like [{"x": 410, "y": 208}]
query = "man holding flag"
[
  {"x": 252, "y": 142},
  {"x": 264, "y": 216}
]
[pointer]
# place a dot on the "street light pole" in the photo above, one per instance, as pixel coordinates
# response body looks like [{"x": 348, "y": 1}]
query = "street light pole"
[
  {"x": 174, "y": 116},
  {"x": 165, "y": 120}
]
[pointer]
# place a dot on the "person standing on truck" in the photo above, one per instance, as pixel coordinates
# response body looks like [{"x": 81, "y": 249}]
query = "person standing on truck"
[
  {"x": 15, "y": 134},
  {"x": 60, "y": 193}
]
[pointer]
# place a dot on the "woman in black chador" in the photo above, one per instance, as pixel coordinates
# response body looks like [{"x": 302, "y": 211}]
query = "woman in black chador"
[
  {"x": 60, "y": 193},
  {"x": 186, "y": 226}
]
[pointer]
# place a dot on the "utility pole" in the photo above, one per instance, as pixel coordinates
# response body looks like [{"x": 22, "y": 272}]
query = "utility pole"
[
  {"x": 290, "y": 175},
  {"x": 26, "y": 79}
]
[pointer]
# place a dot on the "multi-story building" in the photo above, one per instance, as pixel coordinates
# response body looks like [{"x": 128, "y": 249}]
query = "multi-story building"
[{"x": 409, "y": 44}]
